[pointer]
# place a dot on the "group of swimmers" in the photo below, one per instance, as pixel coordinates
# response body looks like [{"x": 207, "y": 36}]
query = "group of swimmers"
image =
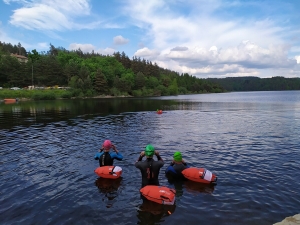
[{"x": 149, "y": 168}]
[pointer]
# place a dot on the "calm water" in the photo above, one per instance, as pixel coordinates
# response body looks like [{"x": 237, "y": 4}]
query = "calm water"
[{"x": 250, "y": 140}]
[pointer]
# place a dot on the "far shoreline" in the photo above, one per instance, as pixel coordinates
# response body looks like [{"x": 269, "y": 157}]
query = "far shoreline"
[{"x": 97, "y": 97}]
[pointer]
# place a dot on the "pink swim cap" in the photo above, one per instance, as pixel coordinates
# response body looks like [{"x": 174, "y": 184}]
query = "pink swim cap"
[{"x": 107, "y": 144}]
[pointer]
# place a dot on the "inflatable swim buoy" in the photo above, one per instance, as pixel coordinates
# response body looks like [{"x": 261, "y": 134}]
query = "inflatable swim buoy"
[
  {"x": 159, "y": 194},
  {"x": 200, "y": 175},
  {"x": 110, "y": 172},
  {"x": 159, "y": 111},
  {"x": 10, "y": 100}
]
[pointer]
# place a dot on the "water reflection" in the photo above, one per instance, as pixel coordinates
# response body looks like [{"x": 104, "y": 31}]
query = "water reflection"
[
  {"x": 109, "y": 187},
  {"x": 32, "y": 112},
  {"x": 196, "y": 188},
  {"x": 190, "y": 186},
  {"x": 151, "y": 212}
]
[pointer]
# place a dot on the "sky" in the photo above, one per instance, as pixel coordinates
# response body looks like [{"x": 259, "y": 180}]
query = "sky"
[{"x": 204, "y": 38}]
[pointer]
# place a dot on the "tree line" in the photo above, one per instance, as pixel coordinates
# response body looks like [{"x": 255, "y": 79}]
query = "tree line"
[
  {"x": 92, "y": 73},
  {"x": 277, "y": 83}
]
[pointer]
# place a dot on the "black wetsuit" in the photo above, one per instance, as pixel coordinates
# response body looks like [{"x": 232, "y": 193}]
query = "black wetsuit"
[
  {"x": 179, "y": 167},
  {"x": 149, "y": 170}
]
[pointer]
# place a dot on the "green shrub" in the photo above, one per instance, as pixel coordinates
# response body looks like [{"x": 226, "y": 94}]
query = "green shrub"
[
  {"x": 115, "y": 92},
  {"x": 49, "y": 96},
  {"x": 66, "y": 94},
  {"x": 89, "y": 93},
  {"x": 81, "y": 95},
  {"x": 182, "y": 90},
  {"x": 37, "y": 96},
  {"x": 44, "y": 96},
  {"x": 137, "y": 93},
  {"x": 75, "y": 92}
]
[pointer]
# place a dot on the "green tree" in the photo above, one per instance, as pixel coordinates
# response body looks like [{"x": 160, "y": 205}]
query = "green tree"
[
  {"x": 100, "y": 83},
  {"x": 139, "y": 80},
  {"x": 125, "y": 83},
  {"x": 173, "y": 88},
  {"x": 82, "y": 81},
  {"x": 152, "y": 82}
]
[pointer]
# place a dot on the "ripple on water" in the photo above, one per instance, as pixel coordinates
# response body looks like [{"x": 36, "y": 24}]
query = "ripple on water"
[{"x": 47, "y": 167}]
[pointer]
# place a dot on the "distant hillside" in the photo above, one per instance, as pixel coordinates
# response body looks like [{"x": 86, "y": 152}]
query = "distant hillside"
[
  {"x": 90, "y": 74},
  {"x": 257, "y": 84}
]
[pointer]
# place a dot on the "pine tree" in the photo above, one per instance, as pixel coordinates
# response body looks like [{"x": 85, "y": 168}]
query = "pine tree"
[
  {"x": 139, "y": 80},
  {"x": 100, "y": 83}
]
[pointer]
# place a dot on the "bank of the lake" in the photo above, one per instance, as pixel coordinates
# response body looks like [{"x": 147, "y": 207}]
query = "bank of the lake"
[
  {"x": 53, "y": 94},
  {"x": 50, "y": 94}
]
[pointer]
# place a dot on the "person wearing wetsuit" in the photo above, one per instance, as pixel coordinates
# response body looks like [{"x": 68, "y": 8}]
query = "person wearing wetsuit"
[
  {"x": 149, "y": 168},
  {"x": 105, "y": 157},
  {"x": 177, "y": 166}
]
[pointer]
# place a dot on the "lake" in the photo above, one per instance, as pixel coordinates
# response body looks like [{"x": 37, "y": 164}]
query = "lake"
[{"x": 250, "y": 140}]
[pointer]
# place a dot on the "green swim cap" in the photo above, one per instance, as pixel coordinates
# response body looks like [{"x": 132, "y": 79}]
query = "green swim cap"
[
  {"x": 149, "y": 150},
  {"x": 177, "y": 156}
]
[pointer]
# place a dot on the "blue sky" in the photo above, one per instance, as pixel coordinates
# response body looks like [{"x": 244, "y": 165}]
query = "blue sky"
[{"x": 215, "y": 38}]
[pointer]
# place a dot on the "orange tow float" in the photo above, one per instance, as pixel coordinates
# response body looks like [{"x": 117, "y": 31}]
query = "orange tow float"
[
  {"x": 10, "y": 100},
  {"x": 159, "y": 194},
  {"x": 200, "y": 175},
  {"x": 110, "y": 172}
]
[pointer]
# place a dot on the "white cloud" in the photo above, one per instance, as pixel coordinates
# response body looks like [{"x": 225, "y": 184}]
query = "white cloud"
[
  {"x": 119, "y": 40},
  {"x": 212, "y": 43},
  {"x": 246, "y": 54},
  {"x": 146, "y": 53},
  {"x": 75, "y": 7},
  {"x": 40, "y": 17},
  {"x": 83, "y": 47},
  {"x": 106, "y": 51},
  {"x": 200, "y": 27},
  {"x": 52, "y": 15},
  {"x": 297, "y": 57},
  {"x": 18, "y": 1},
  {"x": 246, "y": 59},
  {"x": 89, "y": 48}
]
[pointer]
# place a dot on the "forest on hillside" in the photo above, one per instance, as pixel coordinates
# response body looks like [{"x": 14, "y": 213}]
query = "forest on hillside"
[
  {"x": 257, "y": 84},
  {"x": 90, "y": 74}
]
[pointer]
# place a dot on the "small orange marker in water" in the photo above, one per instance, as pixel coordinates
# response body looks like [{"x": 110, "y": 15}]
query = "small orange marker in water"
[{"x": 169, "y": 212}]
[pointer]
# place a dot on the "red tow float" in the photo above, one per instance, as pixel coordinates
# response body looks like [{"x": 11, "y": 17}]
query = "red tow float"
[
  {"x": 110, "y": 172},
  {"x": 159, "y": 194},
  {"x": 200, "y": 175}
]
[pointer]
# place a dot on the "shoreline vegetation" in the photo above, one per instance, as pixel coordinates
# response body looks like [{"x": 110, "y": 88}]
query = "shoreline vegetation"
[
  {"x": 41, "y": 75},
  {"x": 31, "y": 95},
  {"x": 93, "y": 74}
]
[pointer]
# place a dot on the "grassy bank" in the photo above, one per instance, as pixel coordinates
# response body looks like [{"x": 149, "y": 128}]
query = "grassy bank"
[{"x": 36, "y": 94}]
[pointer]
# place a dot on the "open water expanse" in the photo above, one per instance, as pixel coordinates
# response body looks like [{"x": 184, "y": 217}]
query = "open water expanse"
[{"x": 250, "y": 140}]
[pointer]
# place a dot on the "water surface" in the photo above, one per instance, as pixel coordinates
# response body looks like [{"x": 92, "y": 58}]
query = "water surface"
[{"x": 250, "y": 140}]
